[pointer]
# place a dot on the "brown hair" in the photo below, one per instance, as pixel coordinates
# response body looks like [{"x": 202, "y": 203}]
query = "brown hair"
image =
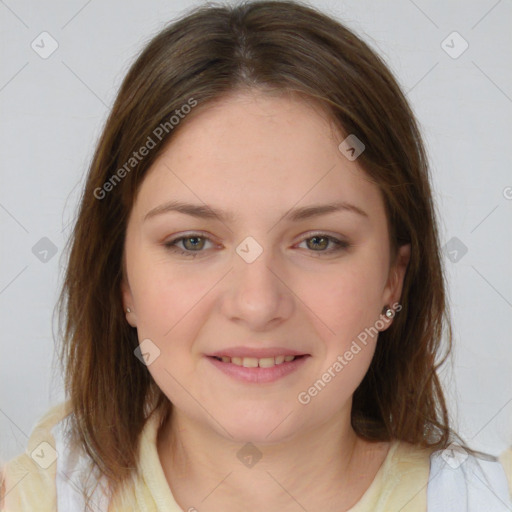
[{"x": 208, "y": 53}]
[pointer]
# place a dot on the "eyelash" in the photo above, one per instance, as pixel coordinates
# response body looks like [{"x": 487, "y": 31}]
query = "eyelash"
[{"x": 339, "y": 245}]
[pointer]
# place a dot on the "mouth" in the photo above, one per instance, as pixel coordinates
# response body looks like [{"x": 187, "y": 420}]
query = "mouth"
[
  {"x": 254, "y": 362},
  {"x": 254, "y": 370}
]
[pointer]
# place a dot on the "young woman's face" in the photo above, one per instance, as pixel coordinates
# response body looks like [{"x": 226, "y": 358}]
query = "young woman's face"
[{"x": 269, "y": 275}]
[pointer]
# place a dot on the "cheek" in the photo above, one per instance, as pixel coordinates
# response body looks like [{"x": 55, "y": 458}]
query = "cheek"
[
  {"x": 348, "y": 303},
  {"x": 155, "y": 295},
  {"x": 348, "y": 298},
  {"x": 170, "y": 302},
  {"x": 162, "y": 293}
]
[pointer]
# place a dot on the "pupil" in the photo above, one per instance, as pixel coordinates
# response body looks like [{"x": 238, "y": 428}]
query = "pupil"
[
  {"x": 194, "y": 244},
  {"x": 316, "y": 238}
]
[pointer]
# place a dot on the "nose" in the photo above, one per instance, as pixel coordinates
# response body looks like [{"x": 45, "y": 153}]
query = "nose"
[{"x": 256, "y": 292}]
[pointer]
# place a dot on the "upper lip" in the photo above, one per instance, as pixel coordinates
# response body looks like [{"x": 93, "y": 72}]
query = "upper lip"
[{"x": 258, "y": 353}]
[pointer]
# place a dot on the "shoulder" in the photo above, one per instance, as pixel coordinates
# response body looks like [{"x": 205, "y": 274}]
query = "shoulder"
[
  {"x": 506, "y": 461},
  {"x": 28, "y": 480},
  {"x": 417, "y": 478},
  {"x": 463, "y": 481}
]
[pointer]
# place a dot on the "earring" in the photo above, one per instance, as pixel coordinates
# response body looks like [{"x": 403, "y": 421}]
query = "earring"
[
  {"x": 128, "y": 310},
  {"x": 388, "y": 312}
]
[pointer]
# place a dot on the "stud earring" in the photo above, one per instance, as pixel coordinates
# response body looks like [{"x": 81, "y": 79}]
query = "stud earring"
[
  {"x": 388, "y": 312},
  {"x": 128, "y": 310}
]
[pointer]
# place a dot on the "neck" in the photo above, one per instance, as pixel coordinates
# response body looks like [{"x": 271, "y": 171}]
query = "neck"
[{"x": 216, "y": 473}]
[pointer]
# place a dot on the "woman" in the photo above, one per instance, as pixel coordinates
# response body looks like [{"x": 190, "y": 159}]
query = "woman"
[{"x": 254, "y": 299}]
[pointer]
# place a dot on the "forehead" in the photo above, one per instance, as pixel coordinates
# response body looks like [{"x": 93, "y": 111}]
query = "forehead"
[
  {"x": 253, "y": 151},
  {"x": 258, "y": 124}
]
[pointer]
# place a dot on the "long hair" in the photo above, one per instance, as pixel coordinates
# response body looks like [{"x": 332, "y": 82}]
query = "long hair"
[{"x": 207, "y": 53}]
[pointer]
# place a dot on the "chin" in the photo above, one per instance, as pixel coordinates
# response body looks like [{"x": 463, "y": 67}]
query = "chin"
[{"x": 257, "y": 426}]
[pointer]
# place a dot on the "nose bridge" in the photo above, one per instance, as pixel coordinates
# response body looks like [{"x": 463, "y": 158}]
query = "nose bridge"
[
  {"x": 252, "y": 267},
  {"x": 256, "y": 295}
]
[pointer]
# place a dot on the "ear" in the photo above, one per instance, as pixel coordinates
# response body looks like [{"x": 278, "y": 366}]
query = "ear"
[
  {"x": 127, "y": 299},
  {"x": 393, "y": 290}
]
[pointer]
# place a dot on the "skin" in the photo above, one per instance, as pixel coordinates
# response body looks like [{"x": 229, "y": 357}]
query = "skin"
[{"x": 259, "y": 155}]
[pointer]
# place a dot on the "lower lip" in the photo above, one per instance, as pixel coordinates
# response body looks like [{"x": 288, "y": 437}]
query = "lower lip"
[{"x": 259, "y": 375}]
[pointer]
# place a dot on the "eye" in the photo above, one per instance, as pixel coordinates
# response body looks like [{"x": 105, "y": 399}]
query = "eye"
[
  {"x": 193, "y": 244},
  {"x": 321, "y": 241}
]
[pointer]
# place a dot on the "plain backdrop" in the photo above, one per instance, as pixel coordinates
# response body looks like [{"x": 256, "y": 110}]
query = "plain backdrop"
[{"x": 53, "y": 108}]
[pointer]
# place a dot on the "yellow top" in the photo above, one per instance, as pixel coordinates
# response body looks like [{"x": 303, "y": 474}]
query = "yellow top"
[{"x": 29, "y": 480}]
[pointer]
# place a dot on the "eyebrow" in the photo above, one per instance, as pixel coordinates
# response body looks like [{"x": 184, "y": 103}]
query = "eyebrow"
[{"x": 293, "y": 215}]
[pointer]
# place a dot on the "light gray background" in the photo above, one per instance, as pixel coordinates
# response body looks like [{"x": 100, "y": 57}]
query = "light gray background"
[{"x": 53, "y": 111}]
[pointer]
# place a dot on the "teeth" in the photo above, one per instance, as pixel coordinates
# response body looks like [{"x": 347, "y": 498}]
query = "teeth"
[{"x": 253, "y": 362}]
